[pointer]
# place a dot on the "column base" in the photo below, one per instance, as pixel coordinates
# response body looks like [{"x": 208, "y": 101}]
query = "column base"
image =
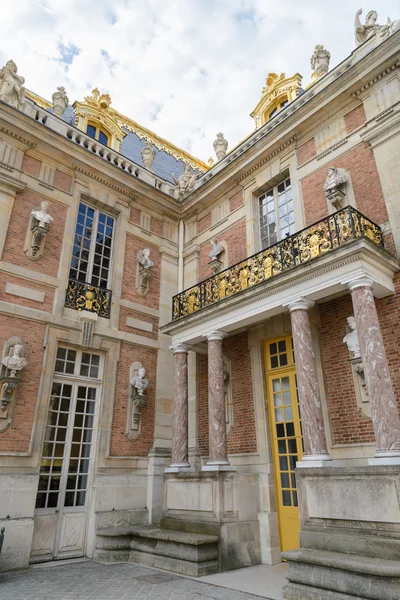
[
  {"x": 218, "y": 465},
  {"x": 316, "y": 460},
  {"x": 178, "y": 468}
]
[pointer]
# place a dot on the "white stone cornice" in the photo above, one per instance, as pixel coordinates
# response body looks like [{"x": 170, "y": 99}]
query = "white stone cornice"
[
  {"x": 179, "y": 349},
  {"x": 9, "y": 183},
  {"x": 363, "y": 281},
  {"x": 300, "y": 304}
]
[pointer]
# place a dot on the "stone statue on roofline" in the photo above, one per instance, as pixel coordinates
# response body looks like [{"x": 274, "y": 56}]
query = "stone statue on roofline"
[
  {"x": 184, "y": 184},
  {"x": 60, "y": 101},
  {"x": 12, "y": 90},
  {"x": 320, "y": 61},
  {"x": 220, "y": 146},
  {"x": 371, "y": 27},
  {"x": 148, "y": 155}
]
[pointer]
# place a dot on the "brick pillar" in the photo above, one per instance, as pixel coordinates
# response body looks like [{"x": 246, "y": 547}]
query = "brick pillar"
[
  {"x": 384, "y": 413},
  {"x": 180, "y": 410},
  {"x": 218, "y": 457},
  {"x": 315, "y": 445}
]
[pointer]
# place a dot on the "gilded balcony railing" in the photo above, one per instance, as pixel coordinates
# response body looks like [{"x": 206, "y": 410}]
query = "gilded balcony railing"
[
  {"x": 83, "y": 296},
  {"x": 344, "y": 226}
]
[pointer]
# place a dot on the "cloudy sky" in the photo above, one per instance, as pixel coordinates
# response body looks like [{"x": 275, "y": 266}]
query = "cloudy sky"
[{"x": 183, "y": 68}]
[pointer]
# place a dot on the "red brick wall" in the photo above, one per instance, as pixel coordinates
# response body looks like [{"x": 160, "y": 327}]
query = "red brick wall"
[
  {"x": 235, "y": 238},
  {"x": 47, "y": 305},
  {"x": 135, "y": 215},
  {"x": 126, "y": 312},
  {"x": 348, "y": 424},
  {"x": 16, "y": 438},
  {"x": 242, "y": 438},
  {"x": 156, "y": 226},
  {"x": 62, "y": 181},
  {"x": 306, "y": 151},
  {"x": 236, "y": 200},
  {"x": 129, "y": 291},
  {"x": 31, "y": 165},
  {"x": 355, "y": 118},
  {"x": 120, "y": 445},
  {"x": 14, "y": 245},
  {"x": 360, "y": 163},
  {"x": 204, "y": 223}
]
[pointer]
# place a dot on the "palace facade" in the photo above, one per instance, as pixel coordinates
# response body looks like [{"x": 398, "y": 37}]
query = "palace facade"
[{"x": 200, "y": 363}]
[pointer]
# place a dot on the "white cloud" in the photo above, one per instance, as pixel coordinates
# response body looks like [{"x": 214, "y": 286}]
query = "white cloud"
[{"x": 184, "y": 68}]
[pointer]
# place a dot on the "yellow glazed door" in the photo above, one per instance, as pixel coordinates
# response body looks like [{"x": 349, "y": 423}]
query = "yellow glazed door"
[{"x": 286, "y": 435}]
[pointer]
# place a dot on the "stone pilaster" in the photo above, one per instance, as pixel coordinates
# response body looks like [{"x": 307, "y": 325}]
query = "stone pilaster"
[
  {"x": 218, "y": 457},
  {"x": 180, "y": 410},
  {"x": 315, "y": 446},
  {"x": 384, "y": 413}
]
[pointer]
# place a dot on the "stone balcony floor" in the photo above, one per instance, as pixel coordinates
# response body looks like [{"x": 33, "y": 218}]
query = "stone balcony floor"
[{"x": 88, "y": 580}]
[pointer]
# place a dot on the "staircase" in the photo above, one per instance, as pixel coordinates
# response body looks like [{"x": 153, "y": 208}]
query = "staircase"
[{"x": 193, "y": 554}]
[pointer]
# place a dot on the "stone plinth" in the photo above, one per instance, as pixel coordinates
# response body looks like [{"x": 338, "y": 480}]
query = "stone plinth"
[
  {"x": 384, "y": 413},
  {"x": 350, "y": 535}
]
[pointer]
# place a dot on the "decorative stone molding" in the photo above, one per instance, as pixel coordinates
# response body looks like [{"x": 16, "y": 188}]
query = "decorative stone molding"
[
  {"x": 144, "y": 271},
  {"x": 12, "y": 363},
  {"x": 39, "y": 222},
  {"x": 88, "y": 321},
  {"x": 229, "y": 407},
  {"x": 11, "y": 85},
  {"x": 137, "y": 399}
]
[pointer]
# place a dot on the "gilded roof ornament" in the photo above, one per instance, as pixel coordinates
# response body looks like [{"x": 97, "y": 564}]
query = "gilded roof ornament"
[{"x": 100, "y": 100}]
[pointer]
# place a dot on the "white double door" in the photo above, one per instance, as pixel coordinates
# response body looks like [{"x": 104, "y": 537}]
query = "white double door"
[{"x": 65, "y": 471}]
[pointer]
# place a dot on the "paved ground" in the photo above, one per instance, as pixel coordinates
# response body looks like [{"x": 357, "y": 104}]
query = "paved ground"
[
  {"x": 262, "y": 580},
  {"x": 94, "y": 581}
]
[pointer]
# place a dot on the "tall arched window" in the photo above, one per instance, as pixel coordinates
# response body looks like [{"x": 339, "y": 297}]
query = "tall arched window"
[{"x": 95, "y": 132}]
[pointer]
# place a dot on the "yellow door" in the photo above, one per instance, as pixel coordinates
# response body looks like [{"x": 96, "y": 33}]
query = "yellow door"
[{"x": 286, "y": 435}]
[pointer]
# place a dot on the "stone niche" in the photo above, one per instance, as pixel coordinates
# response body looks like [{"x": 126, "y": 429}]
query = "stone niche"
[
  {"x": 217, "y": 503},
  {"x": 350, "y": 534}
]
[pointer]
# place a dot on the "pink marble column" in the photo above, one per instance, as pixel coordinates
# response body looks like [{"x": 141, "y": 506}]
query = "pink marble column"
[
  {"x": 180, "y": 409},
  {"x": 218, "y": 457},
  {"x": 384, "y": 413},
  {"x": 315, "y": 446}
]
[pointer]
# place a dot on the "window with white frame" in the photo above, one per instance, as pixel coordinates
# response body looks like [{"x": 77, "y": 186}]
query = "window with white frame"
[
  {"x": 91, "y": 255},
  {"x": 276, "y": 213}
]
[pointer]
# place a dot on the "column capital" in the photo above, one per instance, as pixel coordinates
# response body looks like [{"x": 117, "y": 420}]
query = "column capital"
[
  {"x": 215, "y": 335},
  {"x": 300, "y": 304},
  {"x": 363, "y": 281},
  {"x": 176, "y": 348}
]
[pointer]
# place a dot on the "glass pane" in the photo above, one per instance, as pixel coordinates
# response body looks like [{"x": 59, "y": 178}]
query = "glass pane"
[
  {"x": 287, "y": 398},
  {"x": 276, "y": 385},
  {"x": 286, "y": 499},
  {"x": 290, "y": 429},
  {"x": 277, "y": 400},
  {"x": 293, "y": 480},
  {"x": 283, "y": 360},
  {"x": 288, "y": 414},
  {"x": 293, "y": 460},
  {"x": 294, "y": 496},
  {"x": 278, "y": 415},
  {"x": 281, "y": 446},
  {"x": 91, "y": 131},
  {"x": 285, "y": 480},
  {"x": 274, "y": 362},
  {"x": 103, "y": 139},
  {"x": 292, "y": 446},
  {"x": 282, "y": 346},
  {"x": 280, "y": 431},
  {"x": 283, "y": 463},
  {"x": 285, "y": 383}
]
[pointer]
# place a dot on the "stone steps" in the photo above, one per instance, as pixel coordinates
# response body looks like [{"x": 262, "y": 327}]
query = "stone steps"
[
  {"x": 187, "y": 553},
  {"x": 316, "y": 574}
]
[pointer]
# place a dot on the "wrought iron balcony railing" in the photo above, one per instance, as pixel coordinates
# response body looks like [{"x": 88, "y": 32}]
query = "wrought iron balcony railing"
[
  {"x": 84, "y": 296},
  {"x": 344, "y": 226}
]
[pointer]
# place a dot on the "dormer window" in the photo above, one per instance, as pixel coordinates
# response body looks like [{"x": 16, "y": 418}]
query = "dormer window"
[{"x": 97, "y": 133}]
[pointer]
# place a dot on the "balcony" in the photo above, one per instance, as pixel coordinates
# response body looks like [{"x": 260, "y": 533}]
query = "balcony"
[
  {"x": 83, "y": 296},
  {"x": 306, "y": 246}
]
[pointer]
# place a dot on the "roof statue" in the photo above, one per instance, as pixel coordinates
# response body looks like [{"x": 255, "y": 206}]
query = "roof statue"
[
  {"x": 148, "y": 154},
  {"x": 60, "y": 101},
  {"x": 220, "y": 146},
  {"x": 11, "y": 85},
  {"x": 320, "y": 62},
  {"x": 371, "y": 27},
  {"x": 184, "y": 183}
]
